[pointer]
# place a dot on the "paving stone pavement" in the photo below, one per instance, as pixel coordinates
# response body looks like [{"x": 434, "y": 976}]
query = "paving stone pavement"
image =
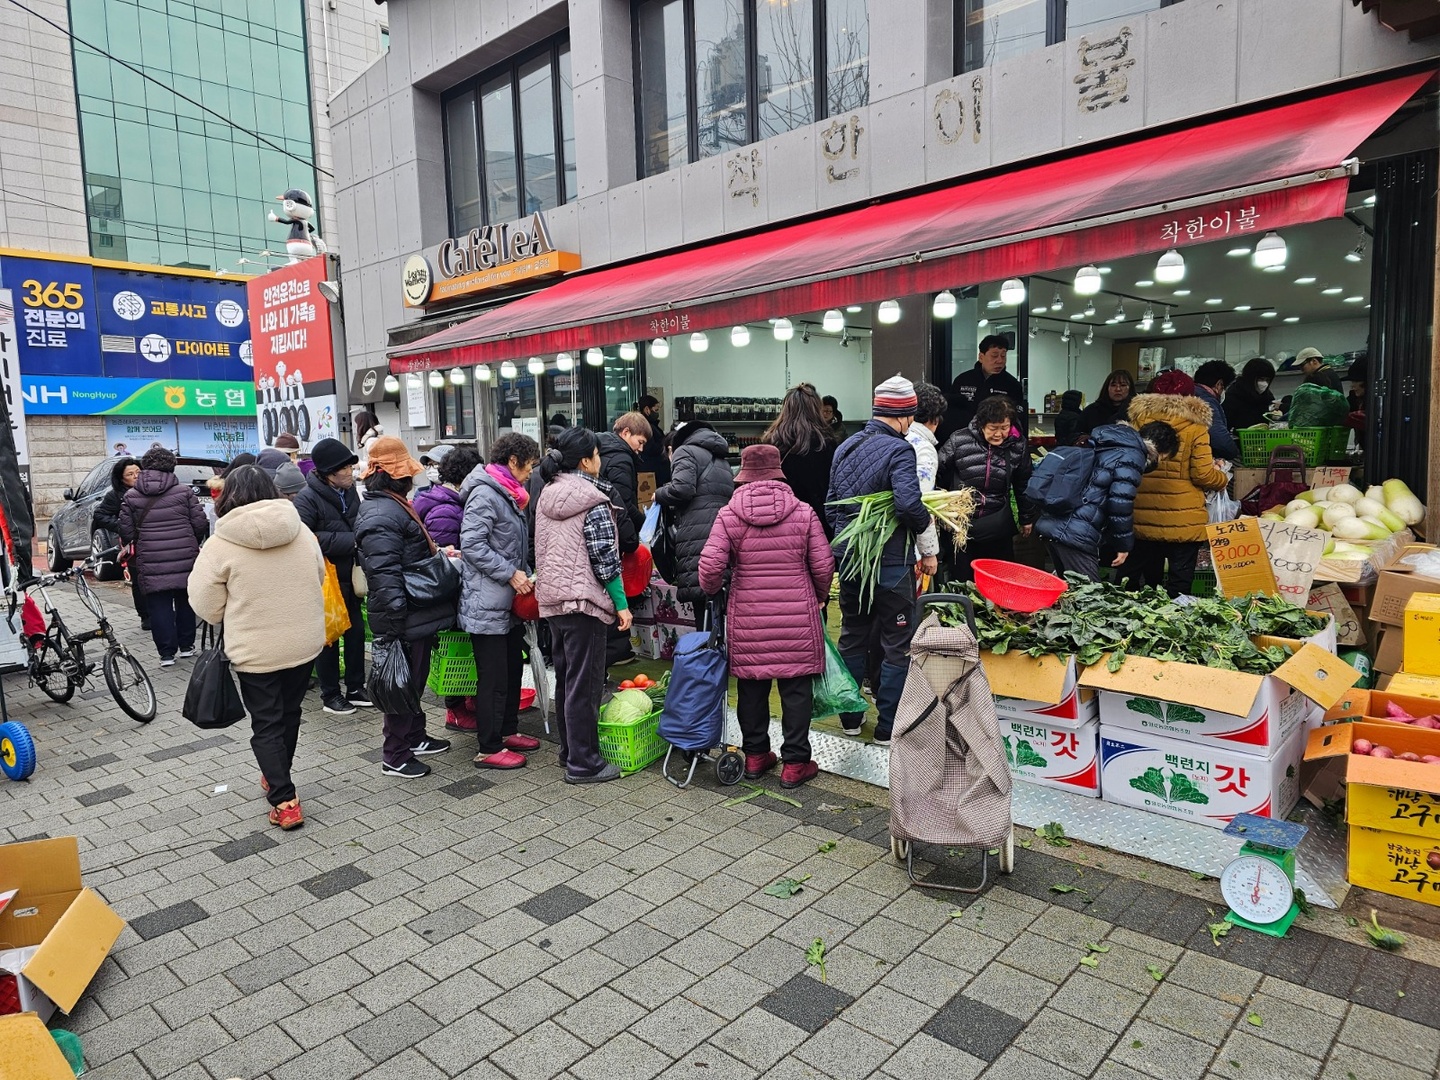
[{"x": 508, "y": 925}]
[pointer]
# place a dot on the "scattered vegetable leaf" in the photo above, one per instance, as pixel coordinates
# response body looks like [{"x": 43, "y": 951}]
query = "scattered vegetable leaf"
[
  {"x": 828, "y": 845},
  {"x": 755, "y": 794},
  {"x": 1388, "y": 940},
  {"x": 1091, "y": 947},
  {"x": 1062, "y": 888},
  {"x": 1197, "y": 875},
  {"x": 1350, "y": 920},
  {"x": 1053, "y": 834},
  {"x": 1218, "y": 930},
  {"x": 958, "y": 914},
  {"x": 815, "y": 957},
  {"x": 786, "y": 887},
  {"x": 1304, "y": 904},
  {"x": 1136, "y": 1045},
  {"x": 1254, "y": 1019},
  {"x": 1090, "y": 961},
  {"x": 1156, "y": 972},
  {"x": 1025, "y": 844}
]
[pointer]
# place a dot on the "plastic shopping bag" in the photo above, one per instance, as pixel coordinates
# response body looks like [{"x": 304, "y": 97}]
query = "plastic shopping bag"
[
  {"x": 835, "y": 689},
  {"x": 391, "y": 688},
  {"x": 1220, "y": 506},
  {"x": 652, "y": 524},
  {"x": 337, "y": 615}
]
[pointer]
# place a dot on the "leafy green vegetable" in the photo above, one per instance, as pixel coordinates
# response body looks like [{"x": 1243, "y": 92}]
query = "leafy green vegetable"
[
  {"x": 1062, "y": 888},
  {"x": 786, "y": 887},
  {"x": 1183, "y": 790},
  {"x": 828, "y": 845},
  {"x": 629, "y": 706},
  {"x": 815, "y": 956},
  {"x": 1053, "y": 834},
  {"x": 1090, "y": 961},
  {"x": 1254, "y": 1019},
  {"x": 1156, "y": 972},
  {"x": 1388, "y": 940},
  {"x": 1026, "y": 755},
  {"x": 1091, "y": 947},
  {"x": 1152, "y": 781},
  {"x": 1218, "y": 930}
]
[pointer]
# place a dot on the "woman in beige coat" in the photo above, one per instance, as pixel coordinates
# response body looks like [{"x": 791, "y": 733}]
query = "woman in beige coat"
[{"x": 261, "y": 578}]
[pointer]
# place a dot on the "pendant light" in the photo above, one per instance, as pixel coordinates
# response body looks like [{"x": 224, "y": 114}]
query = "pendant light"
[
  {"x": 484, "y": 373},
  {"x": 1170, "y": 268},
  {"x": 435, "y": 379},
  {"x": 784, "y": 329},
  {"x": 1012, "y": 292},
  {"x": 1147, "y": 320},
  {"x": 1090, "y": 336},
  {"x": 1168, "y": 326},
  {"x": 536, "y": 366},
  {"x": 660, "y": 348},
  {"x": 984, "y": 322},
  {"x": 457, "y": 376},
  {"x": 944, "y": 306},
  {"x": 739, "y": 336},
  {"x": 1090, "y": 308},
  {"x": 628, "y": 351},
  {"x": 566, "y": 361},
  {"x": 889, "y": 312},
  {"x": 1065, "y": 334},
  {"x": 508, "y": 370},
  {"x": 1270, "y": 251},
  {"x": 1055, "y": 302},
  {"x": 392, "y": 384},
  {"x": 699, "y": 341},
  {"x": 834, "y": 320},
  {"x": 1087, "y": 281},
  {"x": 596, "y": 357},
  {"x": 1205, "y": 326}
]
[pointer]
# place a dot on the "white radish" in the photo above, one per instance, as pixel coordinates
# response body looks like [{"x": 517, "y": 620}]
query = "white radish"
[
  {"x": 1335, "y": 514},
  {"x": 1376, "y": 492},
  {"x": 1306, "y": 519},
  {"x": 1353, "y": 528},
  {"x": 1296, "y": 504},
  {"x": 1401, "y": 502},
  {"x": 1315, "y": 495},
  {"x": 1346, "y": 493},
  {"x": 1368, "y": 507},
  {"x": 1379, "y": 526}
]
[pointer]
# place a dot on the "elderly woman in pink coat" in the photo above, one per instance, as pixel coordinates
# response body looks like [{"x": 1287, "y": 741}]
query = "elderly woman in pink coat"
[{"x": 773, "y": 550}]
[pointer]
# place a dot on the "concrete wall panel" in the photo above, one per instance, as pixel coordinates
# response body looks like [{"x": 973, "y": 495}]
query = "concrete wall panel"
[
  {"x": 627, "y": 222},
  {"x": 1027, "y": 91},
  {"x": 382, "y": 156},
  {"x": 1189, "y": 60},
  {"x": 664, "y": 213},
  {"x": 1287, "y": 44},
  {"x": 703, "y": 190},
  {"x": 564, "y": 222},
  {"x": 745, "y": 202},
  {"x": 1366, "y": 45},
  {"x": 844, "y": 151},
  {"x": 898, "y": 142},
  {"x": 958, "y": 122},
  {"x": 388, "y": 210},
  {"x": 788, "y": 171},
  {"x": 1103, "y": 92},
  {"x": 594, "y": 223},
  {"x": 898, "y": 61}
]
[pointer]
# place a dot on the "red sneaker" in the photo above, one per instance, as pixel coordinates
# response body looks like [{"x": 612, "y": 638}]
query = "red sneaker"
[
  {"x": 505, "y": 759},
  {"x": 264, "y": 785},
  {"x": 796, "y": 773},
  {"x": 523, "y": 744},
  {"x": 757, "y": 765},
  {"x": 459, "y": 720},
  {"x": 287, "y": 817}
]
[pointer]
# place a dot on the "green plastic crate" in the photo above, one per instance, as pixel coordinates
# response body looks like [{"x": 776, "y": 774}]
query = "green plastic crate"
[
  {"x": 1321, "y": 445},
  {"x": 1204, "y": 583},
  {"x": 634, "y": 745},
  {"x": 452, "y": 665}
]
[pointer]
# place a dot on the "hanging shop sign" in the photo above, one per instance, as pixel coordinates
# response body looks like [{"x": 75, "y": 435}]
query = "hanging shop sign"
[
  {"x": 10, "y": 383},
  {"x": 489, "y": 257},
  {"x": 294, "y": 359}
]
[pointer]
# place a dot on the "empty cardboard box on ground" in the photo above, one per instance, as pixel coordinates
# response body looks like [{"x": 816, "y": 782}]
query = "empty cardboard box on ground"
[
  {"x": 1422, "y": 634},
  {"x": 55, "y": 932},
  {"x": 1398, "y": 581}
]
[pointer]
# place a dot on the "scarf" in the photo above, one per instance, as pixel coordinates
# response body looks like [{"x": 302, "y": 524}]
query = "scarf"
[{"x": 506, "y": 479}]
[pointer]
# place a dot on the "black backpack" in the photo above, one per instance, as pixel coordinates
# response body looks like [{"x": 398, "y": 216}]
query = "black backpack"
[{"x": 1059, "y": 481}]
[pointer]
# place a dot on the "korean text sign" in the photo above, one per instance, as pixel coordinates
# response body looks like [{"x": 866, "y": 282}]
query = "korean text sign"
[{"x": 290, "y": 324}]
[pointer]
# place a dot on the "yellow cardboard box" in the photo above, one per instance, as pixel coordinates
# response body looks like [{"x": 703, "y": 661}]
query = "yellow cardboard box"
[
  {"x": 1422, "y": 634},
  {"x": 1394, "y": 863},
  {"x": 31, "y": 1053},
  {"x": 1426, "y": 686}
]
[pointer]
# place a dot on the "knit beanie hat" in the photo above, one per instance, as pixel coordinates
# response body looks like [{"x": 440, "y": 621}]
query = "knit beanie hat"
[
  {"x": 289, "y": 479},
  {"x": 1173, "y": 382},
  {"x": 895, "y": 397}
]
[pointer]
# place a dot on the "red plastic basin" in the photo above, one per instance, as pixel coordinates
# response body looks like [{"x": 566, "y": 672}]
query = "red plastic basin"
[{"x": 1014, "y": 586}]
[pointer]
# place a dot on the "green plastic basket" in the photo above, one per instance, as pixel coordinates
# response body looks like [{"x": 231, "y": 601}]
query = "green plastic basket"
[
  {"x": 1204, "y": 584},
  {"x": 452, "y": 665},
  {"x": 634, "y": 745},
  {"x": 1321, "y": 444}
]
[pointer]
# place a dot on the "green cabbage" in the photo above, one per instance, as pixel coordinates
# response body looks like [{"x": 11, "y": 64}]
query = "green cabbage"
[{"x": 628, "y": 706}]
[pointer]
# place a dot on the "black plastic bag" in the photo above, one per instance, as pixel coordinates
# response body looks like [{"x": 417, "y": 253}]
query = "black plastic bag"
[
  {"x": 391, "y": 687},
  {"x": 212, "y": 700}
]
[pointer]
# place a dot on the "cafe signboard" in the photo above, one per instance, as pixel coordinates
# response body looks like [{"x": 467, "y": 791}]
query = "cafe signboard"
[{"x": 488, "y": 257}]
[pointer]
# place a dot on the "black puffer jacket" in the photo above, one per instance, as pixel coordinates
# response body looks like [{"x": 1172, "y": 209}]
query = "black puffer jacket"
[
  {"x": 967, "y": 460},
  {"x": 332, "y": 520},
  {"x": 878, "y": 458},
  {"x": 163, "y": 519},
  {"x": 387, "y": 540},
  {"x": 700, "y": 485},
  {"x": 1107, "y": 509},
  {"x": 618, "y": 469},
  {"x": 808, "y": 474},
  {"x": 107, "y": 514}
]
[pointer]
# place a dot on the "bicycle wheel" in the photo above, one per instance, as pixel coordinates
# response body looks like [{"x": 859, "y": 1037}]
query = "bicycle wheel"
[
  {"x": 129, "y": 684},
  {"x": 47, "y": 674}
]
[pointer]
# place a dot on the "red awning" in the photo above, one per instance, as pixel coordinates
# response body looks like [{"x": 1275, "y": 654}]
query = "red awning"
[{"x": 1243, "y": 175}]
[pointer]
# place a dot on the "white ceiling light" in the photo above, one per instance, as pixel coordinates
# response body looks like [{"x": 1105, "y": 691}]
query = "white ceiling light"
[
  {"x": 1215, "y": 301},
  {"x": 1169, "y": 324},
  {"x": 508, "y": 370},
  {"x": 993, "y": 304},
  {"x": 1090, "y": 310},
  {"x": 1087, "y": 281},
  {"x": 1055, "y": 302},
  {"x": 852, "y": 308},
  {"x": 1331, "y": 290},
  {"x": 834, "y": 320},
  {"x": 784, "y": 330},
  {"x": 1170, "y": 268},
  {"x": 1278, "y": 268},
  {"x": 1238, "y": 252},
  {"x": 740, "y": 336},
  {"x": 888, "y": 312},
  {"x": 1105, "y": 269},
  {"x": 1065, "y": 334},
  {"x": 1090, "y": 336},
  {"x": 1306, "y": 280},
  {"x": 457, "y": 376},
  {"x": 392, "y": 384},
  {"x": 1354, "y": 299},
  {"x": 1167, "y": 329},
  {"x": 1078, "y": 315},
  {"x": 699, "y": 341},
  {"x": 1268, "y": 314},
  {"x": 660, "y": 348},
  {"x": 435, "y": 379},
  {"x": 1147, "y": 320},
  {"x": 1144, "y": 283},
  {"x": 1012, "y": 292},
  {"x": 565, "y": 361},
  {"x": 1369, "y": 200},
  {"x": 1040, "y": 309},
  {"x": 1034, "y": 332},
  {"x": 1357, "y": 253},
  {"x": 536, "y": 366},
  {"x": 593, "y": 357},
  {"x": 1242, "y": 307},
  {"x": 1291, "y": 318},
  {"x": 628, "y": 351},
  {"x": 982, "y": 324},
  {"x": 944, "y": 307},
  {"x": 1270, "y": 251},
  {"x": 1120, "y": 311},
  {"x": 484, "y": 373},
  {"x": 1182, "y": 292}
]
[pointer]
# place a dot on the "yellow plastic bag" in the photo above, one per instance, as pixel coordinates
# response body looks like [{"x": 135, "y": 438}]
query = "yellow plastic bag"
[{"x": 337, "y": 615}]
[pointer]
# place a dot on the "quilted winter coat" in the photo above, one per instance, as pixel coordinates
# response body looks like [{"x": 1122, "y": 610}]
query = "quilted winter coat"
[
  {"x": 700, "y": 484},
  {"x": 163, "y": 519},
  {"x": 331, "y": 517},
  {"x": 781, "y": 568},
  {"x": 388, "y": 540},
  {"x": 967, "y": 460},
  {"x": 1106, "y": 508},
  {"x": 1170, "y": 507},
  {"x": 441, "y": 509},
  {"x": 878, "y": 458},
  {"x": 494, "y": 542},
  {"x": 619, "y": 469}
]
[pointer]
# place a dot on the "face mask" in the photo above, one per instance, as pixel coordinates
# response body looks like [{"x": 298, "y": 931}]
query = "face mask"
[
  {"x": 1261, "y": 385},
  {"x": 433, "y": 473}
]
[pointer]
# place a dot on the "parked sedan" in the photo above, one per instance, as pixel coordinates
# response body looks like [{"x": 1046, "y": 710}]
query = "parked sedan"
[{"x": 72, "y": 535}]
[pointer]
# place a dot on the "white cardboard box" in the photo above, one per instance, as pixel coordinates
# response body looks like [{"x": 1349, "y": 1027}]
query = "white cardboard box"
[
  {"x": 1054, "y": 756},
  {"x": 1205, "y": 783},
  {"x": 1041, "y": 689}
]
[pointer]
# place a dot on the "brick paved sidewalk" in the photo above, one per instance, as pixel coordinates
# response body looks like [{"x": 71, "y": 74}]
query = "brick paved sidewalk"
[{"x": 508, "y": 925}]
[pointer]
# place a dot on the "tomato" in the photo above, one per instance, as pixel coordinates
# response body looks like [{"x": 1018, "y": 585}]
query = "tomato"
[
  {"x": 642, "y": 681},
  {"x": 628, "y": 684}
]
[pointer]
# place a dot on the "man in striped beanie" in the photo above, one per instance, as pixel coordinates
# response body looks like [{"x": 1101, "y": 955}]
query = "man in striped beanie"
[{"x": 875, "y": 459}]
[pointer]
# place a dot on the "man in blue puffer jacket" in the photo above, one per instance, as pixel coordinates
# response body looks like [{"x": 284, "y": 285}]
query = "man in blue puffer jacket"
[
  {"x": 878, "y": 458},
  {"x": 1105, "y": 517}
]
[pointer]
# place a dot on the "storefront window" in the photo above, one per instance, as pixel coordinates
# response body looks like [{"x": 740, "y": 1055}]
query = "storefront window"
[
  {"x": 506, "y": 156},
  {"x": 990, "y": 30},
  {"x": 456, "y": 411},
  {"x": 1082, "y": 15},
  {"x": 712, "y": 75}
]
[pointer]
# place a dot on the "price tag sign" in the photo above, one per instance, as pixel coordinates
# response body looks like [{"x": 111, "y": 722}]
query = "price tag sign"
[
  {"x": 1241, "y": 561},
  {"x": 1295, "y": 555},
  {"x": 1329, "y": 475}
]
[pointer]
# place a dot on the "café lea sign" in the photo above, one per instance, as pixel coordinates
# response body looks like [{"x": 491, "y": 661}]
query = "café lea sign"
[{"x": 488, "y": 257}]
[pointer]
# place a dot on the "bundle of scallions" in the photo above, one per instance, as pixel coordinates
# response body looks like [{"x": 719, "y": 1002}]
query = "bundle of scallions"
[{"x": 864, "y": 538}]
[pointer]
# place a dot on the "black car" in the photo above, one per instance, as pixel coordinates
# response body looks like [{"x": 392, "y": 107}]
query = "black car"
[{"x": 72, "y": 535}]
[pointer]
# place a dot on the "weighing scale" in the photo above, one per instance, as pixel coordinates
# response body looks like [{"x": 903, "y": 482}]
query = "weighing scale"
[{"x": 1259, "y": 884}]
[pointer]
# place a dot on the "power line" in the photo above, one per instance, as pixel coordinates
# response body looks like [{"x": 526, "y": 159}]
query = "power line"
[{"x": 145, "y": 75}]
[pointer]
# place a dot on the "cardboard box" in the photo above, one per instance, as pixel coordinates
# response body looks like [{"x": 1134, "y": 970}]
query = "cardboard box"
[
  {"x": 1389, "y": 648},
  {"x": 31, "y": 1052},
  {"x": 1349, "y": 628},
  {"x": 1056, "y": 757},
  {"x": 58, "y": 931},
  {"x": 1216, "y": 782},
  {"x": 1398, "y": 582},
  {"x": 645, "y": 489},
  {"x": 1422, "y": 634},
  {"x": 1368, "y": 706},
  {"x": 1425, "y": 686},
  {"x": 1385, "y": 793},
  {"x": 1041, "y": 689},
  {"x": 1358, "y": 596},
  {"x": 1250, "y": 714},
  {"x": 1394, "y": 863}
]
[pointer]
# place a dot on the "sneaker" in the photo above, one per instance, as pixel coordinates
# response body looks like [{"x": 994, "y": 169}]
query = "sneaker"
[
  {"x": 287, "y": 817},
  {"x": 851, "y": 732},
  {"x": 338, "y": 705},
  {"x": 796, "y": 773},
  {"x": 457, "y": 720},
  {"x": 608, "y": 773},
  {"x": 186, "y": 654},
  {"x": 145, "y": 625},
  {"x": 409, "y": 769},
  {"x": 504, "y": 759},
  {"x": 167, "y": 661},
  {"x": 522, "y": 744},
  {"x": 359, "y": 698},
  {"x": 757, "y": 765},
  {"x": 428, "y": 745},
  {"x": 881, "y": 740}
]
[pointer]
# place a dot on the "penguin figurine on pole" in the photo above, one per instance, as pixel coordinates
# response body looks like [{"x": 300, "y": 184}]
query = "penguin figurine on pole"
[{"x": 303, "y": 241}]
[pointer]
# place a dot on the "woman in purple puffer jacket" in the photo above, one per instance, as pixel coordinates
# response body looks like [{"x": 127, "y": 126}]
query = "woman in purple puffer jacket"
[{"x": 773, "y": 550}]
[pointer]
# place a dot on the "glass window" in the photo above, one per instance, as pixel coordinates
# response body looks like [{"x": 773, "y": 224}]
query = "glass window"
[
  {"x": 847, "y": 55},
  {"x": 664, "y": 94},
  {"x": 456, "y": 410},
  {"x": 720, "y": 77},
  {"x": 497, "y": 136},
  {"x": 785, "y": 66},
  {"x": 1084, "y": 15},
  {"x": 463, "y": 163},
  {"x": 384, "y": 39},
  {"x": 537, "y": 134},
  {"x": 567, "y": 121},
  {"x": 995, "y": 29}
]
